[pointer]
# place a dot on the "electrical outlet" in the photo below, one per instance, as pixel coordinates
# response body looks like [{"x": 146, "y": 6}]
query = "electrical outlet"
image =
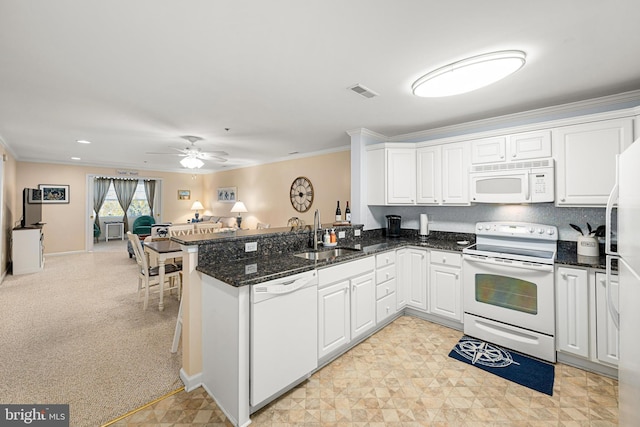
[
  {"x": 341, "y": 234},
  {"x": 250, "y": 268},
  {"x": 251, "y": 247},
  {"x": 356, "y": 232}
]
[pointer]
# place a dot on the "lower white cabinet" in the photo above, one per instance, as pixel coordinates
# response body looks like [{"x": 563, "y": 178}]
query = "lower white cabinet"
[
  {"x": 386, "y": 298},
  {"x": 572, "y": 311},
  {"x": 607, "y": 335},
  {"x": 346, "y": 304},
  {"x": 583, "y": 324},
  {"x": 334, "y": 324},
  {"x": 445, "y": 286},
  {"x": 363, "y": 304},
  {"x": 412, "y": 278},
  {"x": 27, "y": 250}
]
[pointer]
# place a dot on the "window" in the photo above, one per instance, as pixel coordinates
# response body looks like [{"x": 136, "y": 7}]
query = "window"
[{"x": 139, "y": 205}]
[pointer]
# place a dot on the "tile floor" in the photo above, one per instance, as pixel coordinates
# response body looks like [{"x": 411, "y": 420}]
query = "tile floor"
[{"x": 402, "y": 376}]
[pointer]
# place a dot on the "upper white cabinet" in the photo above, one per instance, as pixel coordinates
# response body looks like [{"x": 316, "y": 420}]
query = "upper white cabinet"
[
  {"x": 391, "y": 174},
  {"x": 529, "y": 145},
  {"x": 519, "y": 146},
  {"x": 442, "y": 172},
  {"x": 586, "y": 160},
  {"x": 488, "y": 150}
]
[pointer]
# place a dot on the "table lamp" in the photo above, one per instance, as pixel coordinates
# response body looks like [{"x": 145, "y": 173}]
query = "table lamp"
[
  {"x": 239, "y": 208},
  {"x": 195, "y": 207}
]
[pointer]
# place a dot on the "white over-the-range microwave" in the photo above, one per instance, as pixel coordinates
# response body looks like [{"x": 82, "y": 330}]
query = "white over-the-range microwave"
[{"x": 529, "y": 181}]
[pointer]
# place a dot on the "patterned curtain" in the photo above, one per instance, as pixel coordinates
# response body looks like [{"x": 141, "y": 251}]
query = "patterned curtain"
[
  {"x": 100, "y": 188},
  {"x": 125, "y": 190},
  {"x": 150, "y": 191}
]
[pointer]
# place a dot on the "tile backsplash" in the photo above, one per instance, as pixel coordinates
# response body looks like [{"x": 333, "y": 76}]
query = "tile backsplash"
[{"x": 463, "y": 218}]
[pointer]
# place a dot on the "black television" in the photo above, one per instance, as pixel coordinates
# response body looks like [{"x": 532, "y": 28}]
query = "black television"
[{"x": 31, "y": 207}]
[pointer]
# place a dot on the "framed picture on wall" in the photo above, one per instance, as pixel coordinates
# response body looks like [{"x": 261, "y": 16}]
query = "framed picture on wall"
[
  {"x": 54, "y": 193},
  {"x": 184, "y": 194},
  {"x": 227, "y": 194}
]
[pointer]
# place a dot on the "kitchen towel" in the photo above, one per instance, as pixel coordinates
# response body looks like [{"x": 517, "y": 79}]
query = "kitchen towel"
[{"x": 424, "y": 225}]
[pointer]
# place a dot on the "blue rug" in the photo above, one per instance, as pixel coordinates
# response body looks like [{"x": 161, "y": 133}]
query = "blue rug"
[{"x": 509, "y": 365}]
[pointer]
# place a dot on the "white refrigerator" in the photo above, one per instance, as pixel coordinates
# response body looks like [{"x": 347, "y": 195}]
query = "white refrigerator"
[{"x": 627, "y": 194}]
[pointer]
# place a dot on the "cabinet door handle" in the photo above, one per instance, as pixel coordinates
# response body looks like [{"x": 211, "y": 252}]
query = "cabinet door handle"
[
  {"x": 444, "y": 260},
  {"x": 387, "y": 291},
  {"x": 564, "y": 276},
  {"x": 354, "y": 288},
  {"x": 346, "y": 289}
]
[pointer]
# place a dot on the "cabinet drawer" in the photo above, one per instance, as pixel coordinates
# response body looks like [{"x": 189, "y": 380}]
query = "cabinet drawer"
[
  {"x": 386, "y": 307},
  {"x": 385, "y": 273},
  {"x": 385, "y": 258},
  {"x": 446, "y": 258},
  {"x": 333, "y": 274},
  {"x": 385, "y": 289}
]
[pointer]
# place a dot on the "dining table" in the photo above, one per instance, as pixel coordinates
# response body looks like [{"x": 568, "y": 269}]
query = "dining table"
[{"x": 162, "y": 250}]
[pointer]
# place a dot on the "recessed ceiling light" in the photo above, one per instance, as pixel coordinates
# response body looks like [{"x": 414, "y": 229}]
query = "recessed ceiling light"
[
  {"x": 469, "y": 74},
  {"x": 75, "y": 158},
  {"x": 83, "y": 141}
]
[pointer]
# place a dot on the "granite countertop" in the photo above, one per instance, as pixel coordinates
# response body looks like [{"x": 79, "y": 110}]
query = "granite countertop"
[
  {"x": 256, "y": 270},
  {"x": 252, "y": 271},
  {"x": 568, "y": 255}
]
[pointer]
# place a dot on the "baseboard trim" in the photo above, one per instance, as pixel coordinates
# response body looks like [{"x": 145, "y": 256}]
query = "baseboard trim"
[{"x": 191, "y": 382}]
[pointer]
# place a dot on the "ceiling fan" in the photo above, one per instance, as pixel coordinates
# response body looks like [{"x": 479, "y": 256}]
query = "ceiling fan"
[{"x": 193, "y": 156}]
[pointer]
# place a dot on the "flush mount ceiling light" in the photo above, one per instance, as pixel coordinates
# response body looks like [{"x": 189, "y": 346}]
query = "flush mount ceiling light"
[{"x": 469, "y": 74}]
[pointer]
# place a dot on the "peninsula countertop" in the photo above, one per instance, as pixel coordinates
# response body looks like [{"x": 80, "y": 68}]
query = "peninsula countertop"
[{"x": 250, "y": 271}]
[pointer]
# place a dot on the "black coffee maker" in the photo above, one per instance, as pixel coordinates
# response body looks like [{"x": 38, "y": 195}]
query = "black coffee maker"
[{"x": 393, "y": 225}]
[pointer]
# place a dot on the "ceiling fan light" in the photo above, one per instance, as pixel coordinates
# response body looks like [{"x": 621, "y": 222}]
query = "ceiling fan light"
[
  {"x": 469, "y": 74},
  {"x": 191, "y": 162}
]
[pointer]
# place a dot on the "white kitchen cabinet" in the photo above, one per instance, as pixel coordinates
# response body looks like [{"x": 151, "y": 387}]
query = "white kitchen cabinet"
[
  {"x": 27, "y": 250},
  {"x": 442, "y": 174},
  {"x": 402, "y": 281},
  {"x": 346, "y": 304},
  {"x": 363, "y": 304},
  {"x": 572, "y": 311},
  {"x": 455, "y": 174},
  {"x": 607, "y": 335},
  {"x": 586, "y": 160},
  {"x": 412, "y": 277},
  {"x": 488, "y": 150},
  {"x": 386, "y": 298},
  {"x": 445, "y": 285},
  {"x": 334, "y": 324},
  {"x": 401, "y": 176},
  {"x": 391, "y": 174},
  {"x": 429, "y": 175},
  {"x": 529, "y": 145},
  {"x": 518, "y": 146}
]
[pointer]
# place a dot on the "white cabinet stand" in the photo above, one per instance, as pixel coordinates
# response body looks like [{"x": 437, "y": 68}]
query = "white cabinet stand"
[{"x": 27, "y": 250}]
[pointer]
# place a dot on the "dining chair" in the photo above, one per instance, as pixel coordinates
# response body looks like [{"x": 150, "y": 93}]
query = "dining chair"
[
  {"x": 181, "y": 230},
  {"x": 149, "y": 276},
  {"x": 207, "y": 227}
]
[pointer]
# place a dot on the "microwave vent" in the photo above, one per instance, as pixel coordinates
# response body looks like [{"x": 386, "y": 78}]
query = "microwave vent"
[{"x": 529, "y": 164}]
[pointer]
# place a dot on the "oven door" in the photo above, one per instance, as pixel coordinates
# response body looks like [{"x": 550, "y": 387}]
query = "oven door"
[{"x": 516, "y": 293}]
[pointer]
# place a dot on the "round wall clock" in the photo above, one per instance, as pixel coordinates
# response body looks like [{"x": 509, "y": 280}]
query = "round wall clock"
[{"x": 301, "y": 194}]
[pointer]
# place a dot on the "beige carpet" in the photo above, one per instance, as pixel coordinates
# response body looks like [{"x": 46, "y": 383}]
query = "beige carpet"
[{"x": 75, "y": 333}]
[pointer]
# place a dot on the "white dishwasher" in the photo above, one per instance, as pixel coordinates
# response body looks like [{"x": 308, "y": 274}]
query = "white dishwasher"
[{"x": 284, "y": 334}]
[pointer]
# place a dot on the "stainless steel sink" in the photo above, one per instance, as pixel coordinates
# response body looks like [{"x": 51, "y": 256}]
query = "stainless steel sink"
[{"x": 325, "y": 255}]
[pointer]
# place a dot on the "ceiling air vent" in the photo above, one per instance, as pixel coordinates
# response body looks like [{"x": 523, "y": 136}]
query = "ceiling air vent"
[{"x": 363, "y": 91}]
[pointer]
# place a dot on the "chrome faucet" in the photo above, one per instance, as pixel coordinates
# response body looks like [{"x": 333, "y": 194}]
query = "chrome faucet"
[{"x": 316, "y": 226}]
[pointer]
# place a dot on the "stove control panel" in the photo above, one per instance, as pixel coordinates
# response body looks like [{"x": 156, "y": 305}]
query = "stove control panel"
[{"x": 523, "y": 230}]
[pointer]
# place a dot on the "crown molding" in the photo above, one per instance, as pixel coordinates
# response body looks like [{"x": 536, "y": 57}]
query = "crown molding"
[{"x": 603, "y": 104}]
